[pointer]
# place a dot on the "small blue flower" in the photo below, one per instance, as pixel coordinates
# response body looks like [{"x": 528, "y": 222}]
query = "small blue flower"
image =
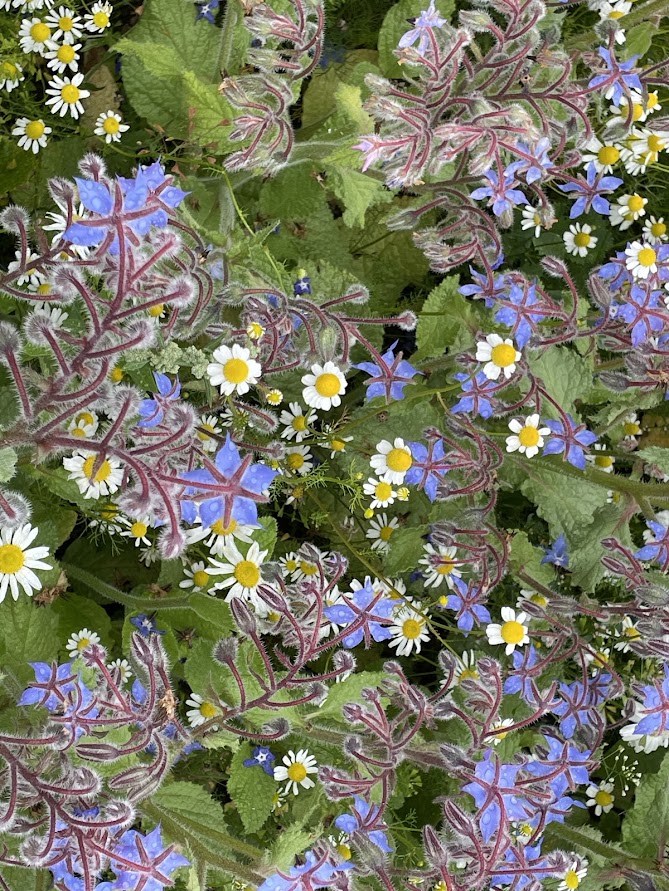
[
  {"x": 262, "y": 757},
  {"x": 207, "y": 11},
  {"x": 569, "y": 439},
  {"x": 389, "y": 375},
  {"x": 624, "y": 76},
  {"x": 591, "y": 191},
  {"x": 657, "y": 545},
  {"x": 557, "y": 553},
  {"x": 152, "y": 411},
  {"x": 421, "y": 30},
  {"x": 157, "y": 862},
  {"x": 374, "y": 610},
  {"x": 478, "y": 395},
  {"x": 467, "y": 602},
  {"x": 363, "y": 816},
  {"x": 502, "y": 195},
  {"x": 302, "y": 285},
  {"x": 146, "y": 625}
]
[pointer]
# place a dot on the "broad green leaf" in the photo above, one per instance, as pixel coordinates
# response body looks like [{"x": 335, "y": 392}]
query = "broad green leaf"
[
  {"x": 75, "y": 612},
  {"x": 293, "y": 193},
  {"x": 565, "y": 375},
  {"x": 251, "y": 789},
  {"x": 639, "y": 39},
  {"x": 655, "y": 455},
  {"x": 7, "y": 464},
  {"x": 585, "y": 557},
  {"x": 406, "y": 549},
  {"x": 446, "y": 319},
  {"x": 525, "y": 557},
  {"x": 347, "y": 691},
  {"x": 357, "y": 191},
  {"x": 292, "y": 841},
  {"x": 395, "y": 25},
  {"x": 648, "y": 821},
  {"x": 28, "y": 633}
]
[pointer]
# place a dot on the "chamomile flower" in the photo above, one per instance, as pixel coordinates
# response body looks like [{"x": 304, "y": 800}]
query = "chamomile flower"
[
  {"x": 31, "y": 275},
  {"x": 296, "y": 768},
  {"x": 324, "y": 386},
  {"x": 392, "y": 461},
  {"x": 306, "y": 569},
  {"x": 136, "y": 529},
  {"x": 233, "y": 370},
  {"x": 83, "y": 425},
  {"x": 499, "y": 355},
  {"x": 94, "y": 481},
  {"x": 602, "y": 155},
  {"x": 511, "y": 633},
  {"x": 641, "y": 259},
  {"x": 64, "y": 56},
  {"x": 528, "y": 437},
  {"x": 34, "y": 36},
  {"x": 439, "y": 565},
  {"x": 120, "y": 670},
  {"x": 644, "y": 147},
  {"x": 600, "y": 460},
  {"x": 465, "y": 668},
  {"x": 530, "y": 219},
  {"x": 626, "y": 210},
  {"x": 526, "y": 595},
  {"x": 574, "y": 876},
  {"x": 501, "y": 733},
  {"x": 18, "y": 559},
  {"x": 380, "y": 531},
  {"x": 66, "y": 24},
  {"x": 220, "y": 534},
  {"x": 383, "y": 494},
  {"x": 299, "y": 460},
  {"x": 81, "y": 641},
  {"x": 297, "y": 422},
  {"x": 110, "y": 127},
  {"x": 640, "y": 108},
  {"x": 11, "y": 75},
  {"x": 66, "y": 95},
  {"x": 628, "y": 633},
  {"x": 600, "y": 797},
  {"x": 197, "y": 577},
  {"x": 59, "y": 223},
  {"x": 598, "y": 660},
  {"x": 255, "y": 330},
  {"x": 655, "y": 230},
  {"x": 207, "y": 425},
  {"x": 274, "y": 397},
  {"x": 200, "y": 710},
  {"x": 107, "y": 520},
  {"x": 408, "y": 630},
  {"x": 614, "y": 12},
  {"x": 335, "y": 441},
  {"x": 578, "y": 239},
  {"x": 98, "y": 20},
  {"x": 33, "y": 134},
  {"x": 243, "y": 571}
]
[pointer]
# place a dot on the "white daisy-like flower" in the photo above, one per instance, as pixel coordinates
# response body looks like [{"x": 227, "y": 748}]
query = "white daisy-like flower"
[
  {"x": 614, "y": 12},
  {"x": 81, "y": 641},
  {"x": 274, "y": 397},
  {"x": 296, "y": 769},
  {"x": 500, "y": 734},
  {"x": 34, "y": 36},
  {"x": 640, "y": 108},
  {"x": 440, "y": 566},
  {"x": 220, "y": 534},
  {"x": 380, "y": 531},
  {"x": 243, "y": 571},
  {"x": 382, "y": 493},
  {"x": 11, "y": 75},
  {"x": 31, "y": 275},
  {"x": 255, "y": 330},
  {"x": 499, "y": 355},
  {"x": 392, "y": 461},
  {"x": 578, "y": 239},
  {"x": 655, "y": 230},
  {"x": 530, "y": 219},
  {"x": 626, "y": 210},
  {"x": 335, "y": 441},
  {"x": 600, "y": 460},
  {"x": 641, "y": 259},
  {"x": 574, "y": 876},
  {"x": 98, "y": 19},
  {"x": 208, "y": 424},
  {"x": 598, "y": 660},
  {"x": 136, "y": 529},
  {"x": 233, "y": 370},
  {"x": 307, "y": 569},
  {"x": 93, "y": 482},
  {"x": 645, "y": 145},
  {"x": 197, "y": 577},
  {"x": 59, "y": 58},
  {"x": 107, "y": 520},
  {"x": 324, "y": 386},
  {"x": 33, "y": 134},
  {"x": 600, "y": 797},
  {"x": 18, "y": 559},
  {"x": 628, "y": 633},
  {"x": 110, "y": 127},
  {"x": 200, "y": 710},
  {"x": 149, "y": 556},
  {"x": 120, "y": 670},
  {"x": 631, "y": 426},
  {"x": 66, "y": 95},
  {"x": 602, "y": 155},
  {"x": 66, "y": 24},
  {"x": 408, "y": 630},
  {"x": 297, "y": 422},
  {"x": 528, "y": 437},
  {"x": 465, "y": 667},
  {"x": 299, "y": 460},
  {"x": 59, "y": 223},
  {"x": 527, "y": 595},
  {"x": 84, "y": 424},
  {"x": 511, "y": 633}
]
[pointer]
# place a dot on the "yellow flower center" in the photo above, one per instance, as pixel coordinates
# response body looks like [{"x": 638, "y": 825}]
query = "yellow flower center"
[
  {"x": 100, "y": 20},
  {"x": 220, "y": 528},
  {"x": 8, "y": 70},
  {"x": 446, "y": 567},
  {"x": 327, "y": 385},
  {"x": 631, "y": 428},
  {"x": 299, "y": 424},
  {"x": 82, "y": 643},
  {"x": 411, "y": 628},
  {"x": 632, "y": 632},
  {"x": 528, "y": 436},
  {"x": 539, "y": 599},
  {"x": 383, "y": 491},
  {"x": 582, "y": 239},
  {"x": 35, "y": 129},
  {"x": 291, "y": 565},
  {"x": 636, "y": 203},
  {"x": 637, "y": 111},
  {"x": 65, "y": 53},
  {"x": 344, "y": 851},
  {"x": 297, "y": 772},
  {"x": 537, "y": 219},
  {"x": 399, "y": 460},
  {"x": 116, "y": 375},
  {"x": 207, "y": 710},
  {"x": 468, "y": 674},
  {"x": 247, "y": 573},
  {"x": 44, "y": 289},
  {"x": 337, "y": 445},
  {"x": 11, "y": 559},
  {"x": 503, "y": 355},
  {"x": 647, "y": 256},
  {"x": 111, "y": 126},
  {"x": 109, "y": 513},
  {"x": 203, "y": 436},
  {"x": 385, "y": 533},
  {"x": 295, "y": 461},
  {"x": 65, "y": 23},
  {"x": 40, "y": 32},
  {"x": 70, "y": 94},
  {"x": 308, "y": 568},
  {"x": 79, "y": 432},
  {"x": 616, "y": 14},
  {"x": 235, "y": 371},
  {"x": 102, "y": 474},
  {"x": 603, "y": 461},
  {"x": 84, "y": 417},
  {"x": 604, "y": 798},
  {"x": 512, "y": 632},
  {"x": 658, "y": 229},
  {"x": 571, "y": 880},
  {"x": 608, "y": 154},
  {"x": 201, "y": 578},
  {"x": 139, "y": 530},
  {"x": 652, "y": 100},
  {"x": 655, "y": 143}
]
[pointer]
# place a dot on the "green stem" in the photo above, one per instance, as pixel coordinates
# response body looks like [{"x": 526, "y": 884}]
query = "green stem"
[
  {"x": 133, "y": 601},
  {"x": 230, "y": 19},
  {"x": 640, "y": 13}
]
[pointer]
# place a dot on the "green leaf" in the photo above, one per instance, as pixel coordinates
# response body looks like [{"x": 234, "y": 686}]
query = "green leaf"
[
  {"x": 347, "y": 691},
  {"x": 357, "y": 191},
  {"x": 646, "y": 825},
  {"x": 566, "y": 377},
  {"x": 447, "y": 319},
  {"x": 585, "y": 558},
  {"x": 292, "y": 841},
  {"x": 656, "y": 455},
  {"x": 7, "y": 464},
  {"x": 406, "y": 549},
  {"x": 75, "y": 612},
  {"x": 27, "y": 633},
  {"x": 639, "y": 39},
  {"x": 395, "y": 25},
  {"x": 525, "y": 557},
  {"x": 266, "y": 535},
  {"x": 293, "y": 193},
  {"x": 251, "y": 789}
]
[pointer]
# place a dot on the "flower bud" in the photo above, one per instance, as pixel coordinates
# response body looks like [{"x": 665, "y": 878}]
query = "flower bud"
[
  {"x": 92, "y": 166},
  {"x": 14, "y": 219},
  {"x": 225, "y": 650},
  {"x": 15, "y": 509},
  {"x": 243, "y": 616}
]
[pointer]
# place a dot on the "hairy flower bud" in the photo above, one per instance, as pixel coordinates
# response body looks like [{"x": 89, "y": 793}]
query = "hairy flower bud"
[
  {"x": 92, "y": 166},
  {"x": 15, "y": 219},
  {"x": 246, "y": 621},
  {"x": 225, "y": 650},
  {"x": 15, "y": 509}
]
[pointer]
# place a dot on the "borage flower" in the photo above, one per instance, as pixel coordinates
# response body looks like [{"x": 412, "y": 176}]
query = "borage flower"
[
  {"x": 570, "y": 439},
  {"x": 389, "y": 375}
]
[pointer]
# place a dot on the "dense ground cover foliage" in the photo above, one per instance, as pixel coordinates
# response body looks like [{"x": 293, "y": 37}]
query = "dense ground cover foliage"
[{"x": 334, "y": 506}]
